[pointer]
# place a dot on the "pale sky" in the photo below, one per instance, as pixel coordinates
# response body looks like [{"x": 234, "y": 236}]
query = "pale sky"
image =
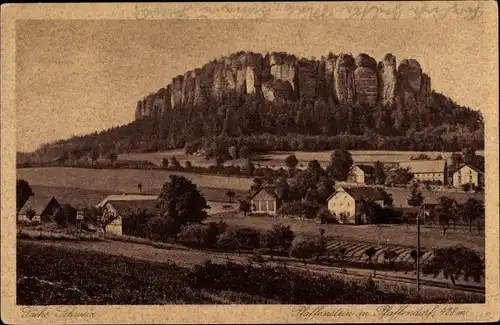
[{"x": 75, "y": 77}]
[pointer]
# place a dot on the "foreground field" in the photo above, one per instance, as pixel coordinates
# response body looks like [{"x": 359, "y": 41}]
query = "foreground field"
[{"x": 94, "y": 275}]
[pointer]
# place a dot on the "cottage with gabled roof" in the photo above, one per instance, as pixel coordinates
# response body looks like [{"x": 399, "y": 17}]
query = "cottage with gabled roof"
[
  {"x": 265, "y": 201},
  {"x": 346, "y": 203},
  {"x": 468, "y": 174},
  {"x": 427, "y": 170},
  {"x": 362, "y": 174},
  {"x": 121, "y": 208},
  {"x": 45, "y": 208}
]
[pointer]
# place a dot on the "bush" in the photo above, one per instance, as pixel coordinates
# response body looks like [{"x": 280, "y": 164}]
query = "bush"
[
  {"x": 193, "y": 233},
  {"x": 239, "y": 238},
  {"x": 213, "y": 231},
  {"x": 304, "y": 249},
  {"x": 325, "y": 217},
  {"x": 455, "y": 261},
  {"x": 304, "y": 209}
]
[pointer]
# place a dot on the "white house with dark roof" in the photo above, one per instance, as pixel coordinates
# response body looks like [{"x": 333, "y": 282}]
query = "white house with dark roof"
[
  {"x": 346, "y": 203},
  {"x": 122, "y": 205},
  {"x": 265, "y": 201},
  {"x": 427, "y": 170},
  {"x": 468, "y": 174},
  {"x": 361, "y": 173}
]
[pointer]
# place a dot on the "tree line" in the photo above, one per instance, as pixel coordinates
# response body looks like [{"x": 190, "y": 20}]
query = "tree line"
[{"x": 439, "y": 124}]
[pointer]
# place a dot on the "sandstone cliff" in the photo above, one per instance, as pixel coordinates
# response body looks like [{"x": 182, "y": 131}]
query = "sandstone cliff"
[{"x": 280, "y": 76}]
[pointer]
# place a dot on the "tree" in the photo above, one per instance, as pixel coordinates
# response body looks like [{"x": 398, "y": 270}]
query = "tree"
[
  {"x": 391, "y": 255},
  {"x": 113, "y": 157},
  {"x": 399, "y": 176},
  {"x": 23, "y": 193},
  {"x": 291, "y": 162},
  {"x": 456, "y": 160},
  {"x": 139, "y": 186},
  {"x": 241, "y": 237},
  {"x": 340, "y": 254},
  {"x": 175, "y": 163},
  {"x": 379, "y": 172},
  {"x": 95, "y": 154},
  {"x": 196, "y": 231},
  {"x": 219, "y": 161},
  {"x": 413, "y": 255},
  {"x": 269, "y": 241},
  {"x": 416, "y": 199},
  {"x": 455, "y": 261},
  {"x": 181, "y": 203},
  {"x": 284, "y": 236},
  {"x": 100, "y": 217},
  {"x": 230, "y": 194},
  {"x": 66, "y": 215},
  {"x": 471, "y": 210},
  {"x": 321, "y": 243},
  {"x": 164, "y": 163},
  {"x": 370, "y": 253},
  {"x": 282, "y": 189},
  {"x": 233, "y": 152},
  {"x": 244, "y": 207},
  {"x": 244, "y": 152},
  {"x": 248, "y": 168},
  {"x": 30, "y": 213},
  {"x": 446, "y": 210},
  {"x": 303, "y": 249},
  {"x": 325, "y": 188},
  {"x": 340, "y": 163}
]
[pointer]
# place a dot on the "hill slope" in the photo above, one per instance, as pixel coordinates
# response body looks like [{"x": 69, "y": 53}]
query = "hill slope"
[{"x": 280, "y": 102}]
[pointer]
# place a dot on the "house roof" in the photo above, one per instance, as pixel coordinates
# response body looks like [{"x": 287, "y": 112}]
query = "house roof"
[
  {"x": 474, "y": 168},
  {"x": 127, "y": 197},
  {"x": 124, "y": 206},
  {"x": 424, "y": 166},
  {"x": 269, "y": 190},
  {"x": 362, "y": 192},
  {"x": 366, "y": 168},
  {"x": 37, "y": 203}
]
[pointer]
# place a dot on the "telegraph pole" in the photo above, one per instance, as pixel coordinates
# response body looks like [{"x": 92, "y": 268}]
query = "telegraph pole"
[{"x": 418, "y": 250}]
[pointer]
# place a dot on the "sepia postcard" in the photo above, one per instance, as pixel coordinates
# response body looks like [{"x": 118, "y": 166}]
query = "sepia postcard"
[{"x": 265, "y": 162}]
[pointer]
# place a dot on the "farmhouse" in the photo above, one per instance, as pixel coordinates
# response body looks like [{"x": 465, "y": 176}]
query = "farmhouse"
[
  {"x": 427, "y": 170},
  {"x": 122, "y": 205},
  {"x": 45, "y": 207},
  {"x": 346, "y": 203},
  {"x": 362, "y": 174},
  {"x": 468, "y": 174},
  {"x": 265, "y": 201}
]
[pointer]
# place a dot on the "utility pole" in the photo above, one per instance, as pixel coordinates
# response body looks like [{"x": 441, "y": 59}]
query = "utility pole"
[{"x": 418, "y": 249}]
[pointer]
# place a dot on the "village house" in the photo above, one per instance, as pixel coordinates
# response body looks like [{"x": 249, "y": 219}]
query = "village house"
[
  {"x": 122, "y": 205},
  {"x": 45, "y": 208},
  {"x": 468, "y": 174},
  {"x": 362, "y": 174},
  {"x": 427, "y": 170},
  {"x": 346, "y": 203},
  {"x": 265, "y": 201}
]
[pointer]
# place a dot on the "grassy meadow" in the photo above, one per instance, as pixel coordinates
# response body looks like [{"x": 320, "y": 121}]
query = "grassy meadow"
[{"x": 277, "y": 159}]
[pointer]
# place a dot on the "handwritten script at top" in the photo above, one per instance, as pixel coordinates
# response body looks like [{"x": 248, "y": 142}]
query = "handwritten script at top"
[{"x": 351, "y": 10}]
